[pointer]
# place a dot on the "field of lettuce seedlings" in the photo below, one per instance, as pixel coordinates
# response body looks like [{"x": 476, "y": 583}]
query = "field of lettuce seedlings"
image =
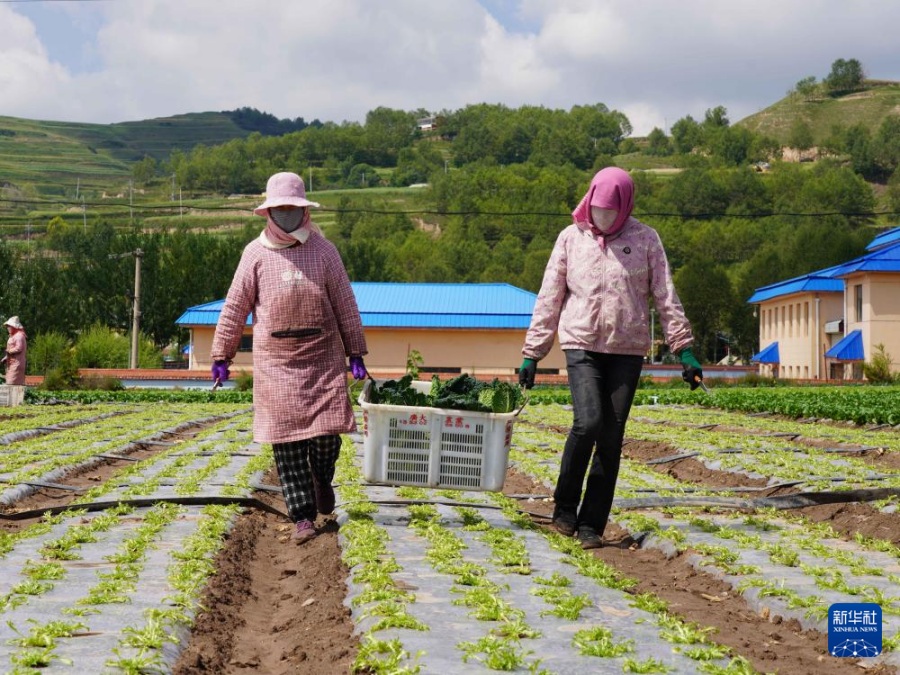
[{"x": 148, "y": 536}]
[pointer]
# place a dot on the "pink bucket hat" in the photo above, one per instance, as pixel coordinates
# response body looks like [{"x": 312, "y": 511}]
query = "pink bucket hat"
[
  {"x": 284, "y": 189},
  {"x": 13, "y": 322}
]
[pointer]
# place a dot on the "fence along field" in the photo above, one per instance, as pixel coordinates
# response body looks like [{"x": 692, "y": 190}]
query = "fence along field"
[{"x": 458, "y": 581}]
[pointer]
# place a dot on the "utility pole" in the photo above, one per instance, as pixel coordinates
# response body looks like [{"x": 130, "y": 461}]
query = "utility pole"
[
  {"x": 131, "y": 200},
  {"x": 83, "y": 215},
  {"x": 136, "y": 311},
  {"x": 173, "y": 188},
  {"x": 136, "y": 314}
]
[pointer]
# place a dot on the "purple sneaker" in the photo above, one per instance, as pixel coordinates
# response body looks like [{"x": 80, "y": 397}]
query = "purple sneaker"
[
  {"x": 303, "y": 531},
  {"x": 324, "y": 496}
]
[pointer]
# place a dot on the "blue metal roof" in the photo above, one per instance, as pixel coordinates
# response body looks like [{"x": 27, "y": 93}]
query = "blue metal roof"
[
  {"x": 820, "y": 282},
  {"x": 205, "y": 315},
  {"x": 398, "y": 305},
  {"x": 767, "y": 355},
  {"x": 891, "y": 236},
  {"x": 884, "y": 259},
  {"x": 849, "y": 348}
]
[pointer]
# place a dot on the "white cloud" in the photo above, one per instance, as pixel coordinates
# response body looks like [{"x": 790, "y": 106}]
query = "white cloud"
[
  {"x": 27, "y": 76},
  {"x": 655, "y": 60}
]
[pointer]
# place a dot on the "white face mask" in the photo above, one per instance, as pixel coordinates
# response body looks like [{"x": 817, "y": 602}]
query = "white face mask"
[
  {"x": 603, "y": 219},
  {"x": 288, "y": 218}
]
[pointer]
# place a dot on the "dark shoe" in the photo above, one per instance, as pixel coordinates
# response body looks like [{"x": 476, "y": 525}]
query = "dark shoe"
[
  {"x": 565, "y": 523},
  {"x": 304, "y": 530},
  {"x": 589, "y": 538},
  {"x": 324, "y": 497}
]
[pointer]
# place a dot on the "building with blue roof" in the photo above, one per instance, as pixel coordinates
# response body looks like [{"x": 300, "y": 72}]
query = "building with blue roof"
[
  {"x": 474, "y": 328},
  {"x": 826, "y": 324}
]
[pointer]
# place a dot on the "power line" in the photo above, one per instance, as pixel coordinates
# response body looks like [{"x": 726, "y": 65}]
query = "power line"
[{"x": 109, "y": 206}]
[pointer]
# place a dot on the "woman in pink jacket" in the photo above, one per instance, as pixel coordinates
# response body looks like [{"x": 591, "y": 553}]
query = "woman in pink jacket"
[
  {"x": 16, "y": 348},
  {"x": 305, "y": 325},
  {"x": 602, "y": 273}
]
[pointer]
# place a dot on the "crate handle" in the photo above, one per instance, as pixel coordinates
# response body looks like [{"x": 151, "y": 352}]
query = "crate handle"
[{"x": 526, "y": 397}]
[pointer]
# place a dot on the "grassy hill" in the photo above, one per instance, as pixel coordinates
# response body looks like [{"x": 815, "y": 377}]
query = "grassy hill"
[
  {"x": 868, "y": 106},
  {"x": 48, "y": 159}
]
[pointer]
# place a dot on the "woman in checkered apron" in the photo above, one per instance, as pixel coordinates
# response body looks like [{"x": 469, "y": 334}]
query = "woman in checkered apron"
[{"x": 305, "y": 325}]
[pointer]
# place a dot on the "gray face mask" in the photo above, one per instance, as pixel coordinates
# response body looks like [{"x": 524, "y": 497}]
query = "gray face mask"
[{"x": 288, "y": 219}]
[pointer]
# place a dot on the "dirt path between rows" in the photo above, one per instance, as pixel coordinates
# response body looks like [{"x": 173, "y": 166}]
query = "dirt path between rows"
[{"x": 273, "y": 606}]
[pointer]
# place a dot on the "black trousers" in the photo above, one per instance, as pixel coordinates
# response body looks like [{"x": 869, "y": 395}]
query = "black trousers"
[{"x": 602, "y": 387}]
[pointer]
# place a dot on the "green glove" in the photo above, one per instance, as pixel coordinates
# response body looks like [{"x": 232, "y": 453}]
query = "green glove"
[
  {"x": 527, "y": 373},
  {"x": 691, "y": 373}
]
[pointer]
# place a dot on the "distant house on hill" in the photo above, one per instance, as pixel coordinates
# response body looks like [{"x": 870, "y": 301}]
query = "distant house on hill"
[
  {"x": 472, "y": 328},
  {"x": 427, "y": 123},
  {"x": 826, "y": 324}
]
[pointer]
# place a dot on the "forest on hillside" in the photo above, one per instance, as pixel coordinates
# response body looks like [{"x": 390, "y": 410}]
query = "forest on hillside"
[{"x": 501, "y": 185}]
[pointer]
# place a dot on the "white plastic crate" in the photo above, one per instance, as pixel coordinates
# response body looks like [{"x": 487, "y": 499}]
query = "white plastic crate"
[
  {"x": 11, "y": 394},
  {"x": 434, "y": 447}
]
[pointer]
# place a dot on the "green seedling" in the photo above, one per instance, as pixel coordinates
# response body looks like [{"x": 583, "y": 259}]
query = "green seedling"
[
  {"x": 383, "y": 657},
  {"x": 599, "y": 642},
  {"x": 555, "y": 579},
  {"x": 393, "y": 615},
  {"x": 650, "y": 665},
  {"x": 51, "y": 571},
  {"x": 516, "y": 628},
  {"x": 495, "y": 653},
  {"x": 737, "y": 666}
]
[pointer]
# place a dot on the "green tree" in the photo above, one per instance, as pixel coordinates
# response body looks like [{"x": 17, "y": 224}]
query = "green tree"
[
  {"x": 686, "y": 135},
  {"x": 886, "y": 146},
  {"x": 387, "y": 131},
  {"x": 101, "y": 347},
  {"x": 846, "y": 75},
  {"x": 144, "y": 170},
  {"x": 800, "y": 136},
  {"x": 47, "y": 351},
  {"x": 807, "y": 88},
  {"x": 706, "y": 292},
  {"x": 716, "y": 118},
  {"x": 658, "y": 143}
]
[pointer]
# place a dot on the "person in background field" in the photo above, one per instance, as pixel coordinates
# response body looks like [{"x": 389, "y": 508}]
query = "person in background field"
[
  {"x": 16, "y": 348},
  {"x": 604, "y": 269},
  {"x": 305, "y": 324}
]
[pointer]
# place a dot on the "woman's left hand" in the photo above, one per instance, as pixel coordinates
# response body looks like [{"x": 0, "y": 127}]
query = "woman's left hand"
[{"x": 358, "y": 368}]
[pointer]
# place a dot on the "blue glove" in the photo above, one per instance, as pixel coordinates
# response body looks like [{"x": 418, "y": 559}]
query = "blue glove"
[
  {"x": 220, "y": 372},
  {"x": 691, "y": 373},
  {"x": 358, "y": 368},
  {"x": 527, "y": 373}
]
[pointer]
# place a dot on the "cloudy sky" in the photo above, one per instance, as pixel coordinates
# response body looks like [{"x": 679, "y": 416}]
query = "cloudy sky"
[{"x": 655, "y": 60}]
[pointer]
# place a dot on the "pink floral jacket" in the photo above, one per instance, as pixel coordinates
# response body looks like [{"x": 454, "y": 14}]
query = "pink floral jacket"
[{"x": 598, "y": 298}]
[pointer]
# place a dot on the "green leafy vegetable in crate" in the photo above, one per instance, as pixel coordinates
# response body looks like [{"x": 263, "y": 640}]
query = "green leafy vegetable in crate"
[
  {"x": 463, "y": 392},
  {"x": 398, "y": 392}
]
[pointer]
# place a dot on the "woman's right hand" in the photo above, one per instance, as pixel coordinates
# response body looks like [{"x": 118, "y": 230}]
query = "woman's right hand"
[{"x": 527, "y": 372}]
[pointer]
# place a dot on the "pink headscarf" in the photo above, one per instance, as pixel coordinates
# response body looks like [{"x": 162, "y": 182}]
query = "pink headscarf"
[{"x": 611, "y": 188}]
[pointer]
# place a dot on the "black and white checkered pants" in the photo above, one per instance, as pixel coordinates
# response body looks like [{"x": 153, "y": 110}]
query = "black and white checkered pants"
[{"x": 295, "y": 462}]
